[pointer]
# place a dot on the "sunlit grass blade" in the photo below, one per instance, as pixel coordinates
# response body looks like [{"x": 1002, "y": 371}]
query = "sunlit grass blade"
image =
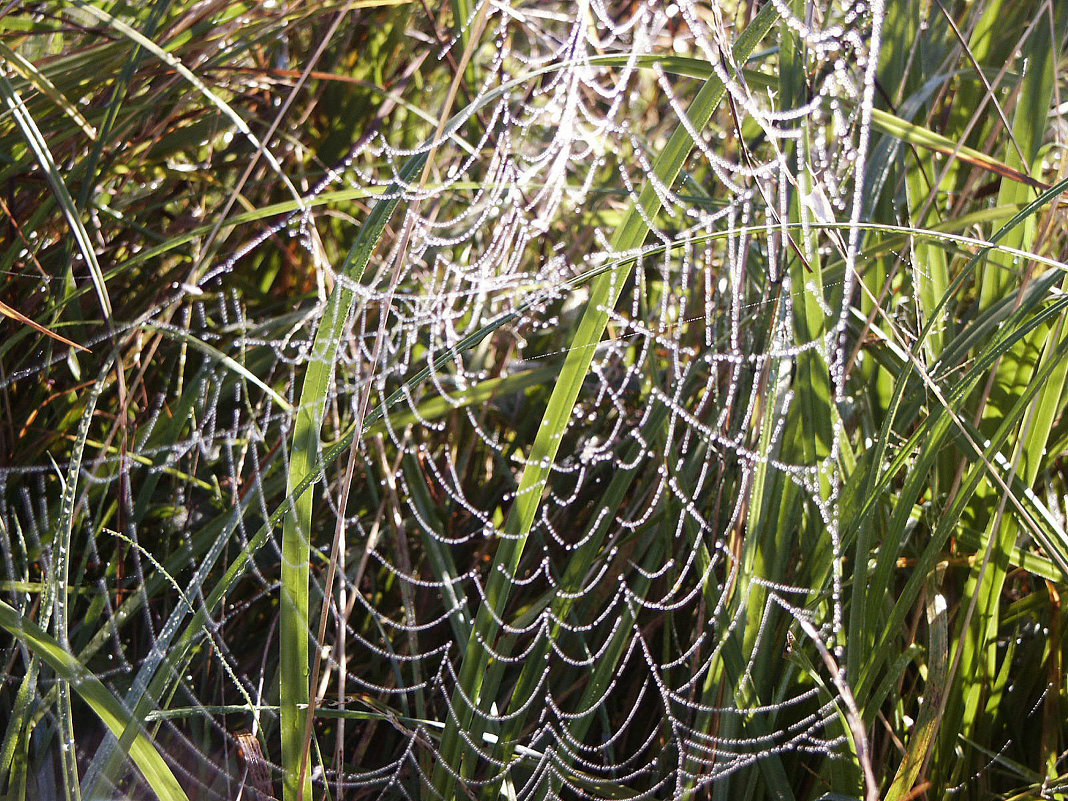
[
  {"x": 18, "y": 316},
  {"x": 163, "y": 55},
  {"x": 978, "y": 630},
  {"x": 303, "y": 462},
  {"x": 40, "y": 81},
  {"x": 44, "y": 157}
]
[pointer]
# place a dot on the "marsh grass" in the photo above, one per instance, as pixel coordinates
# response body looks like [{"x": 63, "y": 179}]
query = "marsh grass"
[{"x": 206, "y": 437}]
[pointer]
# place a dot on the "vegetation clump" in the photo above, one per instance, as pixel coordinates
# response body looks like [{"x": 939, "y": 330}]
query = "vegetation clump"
[{"x": 533, "y": 400}]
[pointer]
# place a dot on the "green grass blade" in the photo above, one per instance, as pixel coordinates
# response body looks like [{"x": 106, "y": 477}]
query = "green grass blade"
[
  {"x": 40, "y": 81},
  {"x": 303, "y": 462},
  {"x": 228, "y": 361},
  {"x": 107, "y": 707},
  {"x": 62, "y": 195},
  {"x": 1029, "y": 123},
  {"x": 60, "y": 580}
]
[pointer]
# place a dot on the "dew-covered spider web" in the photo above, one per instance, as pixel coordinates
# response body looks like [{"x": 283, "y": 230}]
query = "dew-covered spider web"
[{"x": 543, "y": 579}]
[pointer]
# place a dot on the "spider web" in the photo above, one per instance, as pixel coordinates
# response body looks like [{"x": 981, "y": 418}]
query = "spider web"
[{"x": 663, "y": 628}]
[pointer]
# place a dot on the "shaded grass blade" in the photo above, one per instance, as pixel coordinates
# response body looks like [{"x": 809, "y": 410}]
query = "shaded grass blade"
[{"x": 109, "y": 709}]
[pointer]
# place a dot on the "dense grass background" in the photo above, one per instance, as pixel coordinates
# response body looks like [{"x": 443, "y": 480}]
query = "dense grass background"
[{"x": 845, "y": 561}]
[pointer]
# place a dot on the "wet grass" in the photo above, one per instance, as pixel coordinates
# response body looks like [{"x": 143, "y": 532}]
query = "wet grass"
[{"x": 186, "y": 406}]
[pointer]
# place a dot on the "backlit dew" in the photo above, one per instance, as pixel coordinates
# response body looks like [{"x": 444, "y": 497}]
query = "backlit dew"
[{"x": 452, "y": 348}]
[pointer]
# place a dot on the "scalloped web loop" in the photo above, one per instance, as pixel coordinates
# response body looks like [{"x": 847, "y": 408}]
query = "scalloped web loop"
[
  {"x": 673, "y": 618},
  {"x": 662, "y": 504}
]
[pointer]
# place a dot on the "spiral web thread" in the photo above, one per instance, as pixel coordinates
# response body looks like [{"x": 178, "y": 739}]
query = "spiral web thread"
[{"x": 649, "y": 669}]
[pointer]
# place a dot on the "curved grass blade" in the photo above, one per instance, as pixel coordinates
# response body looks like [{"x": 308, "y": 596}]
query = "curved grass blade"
[
  {"x": 107, "y": 707},
  {"x": 227, "y": 361},
  {"x": 29, "y": 71},
  {"x": 171, "y": 61},
  {"x": 41, "y": 152},
  {"x": 59, "y": 581}
]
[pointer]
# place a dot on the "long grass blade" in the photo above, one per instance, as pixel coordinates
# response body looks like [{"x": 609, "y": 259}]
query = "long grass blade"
[{"x": 107, "y": 707}]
